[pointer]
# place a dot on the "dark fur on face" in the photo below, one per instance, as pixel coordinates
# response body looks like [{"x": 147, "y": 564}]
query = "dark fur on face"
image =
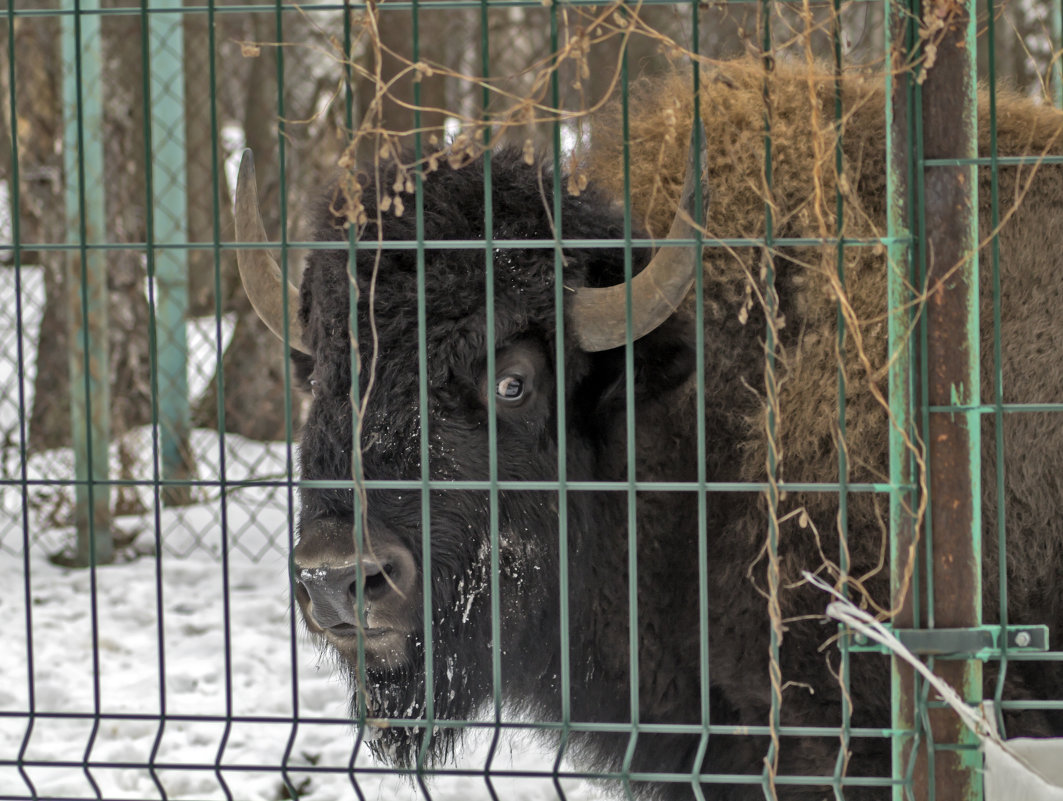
[{"x": 457, "y": 436}]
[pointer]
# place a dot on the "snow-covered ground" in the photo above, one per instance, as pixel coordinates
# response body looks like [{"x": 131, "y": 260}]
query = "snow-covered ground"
[
  {"x": 180, "y": 659},
  {"x": 187, "y": 637}
]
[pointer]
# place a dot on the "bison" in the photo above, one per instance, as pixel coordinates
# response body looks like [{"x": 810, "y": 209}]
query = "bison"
[{"x": 447, "y": 405}]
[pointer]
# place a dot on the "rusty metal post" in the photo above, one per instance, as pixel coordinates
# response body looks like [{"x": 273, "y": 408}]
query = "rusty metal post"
[
  {"x": 90, "y": 406},
  {"x": 953, "y": 436},
  {"x": 945, "y": 205}
]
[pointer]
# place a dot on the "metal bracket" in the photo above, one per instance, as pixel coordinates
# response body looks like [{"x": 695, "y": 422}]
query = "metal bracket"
[{"x": 977, "y": 642}]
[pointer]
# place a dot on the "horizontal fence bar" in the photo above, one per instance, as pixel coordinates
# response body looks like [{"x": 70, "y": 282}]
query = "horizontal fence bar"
[
  {"x": 1033, "y": 705},
  {"x": 999, "y": 161},
  {"x": 989, "y": 408},
  {"x": 706, "y": 778},
  {"x": 400, "y": 5},
  {"x": 415, "y": 723},
  {"x": 456, "y": 484},
  {"x": 466, "y": 244},
  {"x": 678, "y": 778}
]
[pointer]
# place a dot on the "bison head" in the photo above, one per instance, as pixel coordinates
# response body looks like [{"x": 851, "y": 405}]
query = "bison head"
[{"x": 450, "y": 585}]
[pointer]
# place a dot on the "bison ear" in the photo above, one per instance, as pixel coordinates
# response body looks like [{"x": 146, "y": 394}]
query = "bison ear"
[{"x": 664, "y": 359}]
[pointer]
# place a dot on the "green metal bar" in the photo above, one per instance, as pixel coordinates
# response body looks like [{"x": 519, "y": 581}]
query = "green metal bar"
[
  {"x": 771, "y": 388},
  {"x": 360, "y": 710},
  {"x": 492, "y": 419},
  {"x": 611, "y": 728},
  {"x": 399, "y": 5},
  {"x": 15, "y": 189},
  {"x": 845, "y": 668},
  {"x": 293, "y": 649},
  {"x": 531, "y": 726},
  {"x": 285, "y": 286},
  {"x": 921, "y": 759},
  {"x": 167, "y": 223},
  {"x": 705, "y": 674},
  {"x": 564, "y": 640},
  {"x": 629, "y": 428},
  {"x": 426, "y": 514},
  {"x": 474, "y": 244},
  {"x": 285, "y": 766},
  {"x": 87, "y": 312},
  {"x": 988, "y": 161},
  {"x": 998, "y": 368},
  {"x": 899, "y": 37},
  {"x": 993, "y": 408},
  {"x": 153, "y": 351},
  {"x": 90, "y": 404},
  {"x": 454, "y": 484}
]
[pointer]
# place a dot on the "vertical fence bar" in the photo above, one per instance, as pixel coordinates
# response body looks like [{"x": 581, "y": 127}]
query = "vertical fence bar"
[
  {"x": 169, "y": 227},
  {"x": 899, "y": 41},
  {"x": 700, "y": 215},
  {"x": 563, "y": 551},
  {"x": 90, "y": 401},
  {"x": 998, "y": 359},
  {"x": 153, "y": 349},
  {"x": 771, "y": 390},
  {"x": 492, "y": 420},
  {"x": 14, "y": 185},
  {"x": 845, "y": 665},
  {"x": 629, "y": 427}
]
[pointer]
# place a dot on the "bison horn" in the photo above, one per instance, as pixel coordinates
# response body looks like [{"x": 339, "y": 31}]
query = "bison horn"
[
  {"x": 599, "y": 314},
  {"x": 259, "y": 273}
]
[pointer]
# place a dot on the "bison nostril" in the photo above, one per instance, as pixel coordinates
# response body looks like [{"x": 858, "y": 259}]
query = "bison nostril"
[{"x": 378, "y": 580}]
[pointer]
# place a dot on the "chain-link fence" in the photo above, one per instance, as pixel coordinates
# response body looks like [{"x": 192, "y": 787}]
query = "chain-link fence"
[{"x": 576, "y": 497}]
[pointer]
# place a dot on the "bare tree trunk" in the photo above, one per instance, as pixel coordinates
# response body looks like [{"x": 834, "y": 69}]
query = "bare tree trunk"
[
  {"x": 200, "y": 170},
  {"x": 396, "y": 41},
  {"x": 37, "y": 93},
  {"x": 49, "y": 424}
]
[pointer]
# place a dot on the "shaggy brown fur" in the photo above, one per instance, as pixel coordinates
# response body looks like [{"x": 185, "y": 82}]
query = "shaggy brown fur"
[{"x": 800, "y": 107}]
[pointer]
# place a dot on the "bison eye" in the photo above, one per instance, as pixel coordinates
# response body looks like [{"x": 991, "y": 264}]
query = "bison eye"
[
  {"x": 313, "y": 387},
  {"x": 519, "y": 381},
  {"x": 510, "y": 389}
]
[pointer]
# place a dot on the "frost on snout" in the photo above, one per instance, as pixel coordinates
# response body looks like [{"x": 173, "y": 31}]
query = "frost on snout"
[{"x": 329, "y": 579}]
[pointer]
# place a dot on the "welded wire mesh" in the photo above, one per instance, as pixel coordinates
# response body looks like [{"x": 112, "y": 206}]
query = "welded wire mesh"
[{"x": 182, "y": 671}]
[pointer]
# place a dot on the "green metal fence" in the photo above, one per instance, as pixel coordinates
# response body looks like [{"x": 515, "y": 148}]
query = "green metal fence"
[{"x": 149, "y": 420}]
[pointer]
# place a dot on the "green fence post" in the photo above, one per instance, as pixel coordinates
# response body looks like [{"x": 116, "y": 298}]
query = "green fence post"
[
  {"x": 900, "y": 280},
  {"x": 87, "y": 280},
  {"x": 903, "y": 498},
  {"x": 168, "y": 227}
]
